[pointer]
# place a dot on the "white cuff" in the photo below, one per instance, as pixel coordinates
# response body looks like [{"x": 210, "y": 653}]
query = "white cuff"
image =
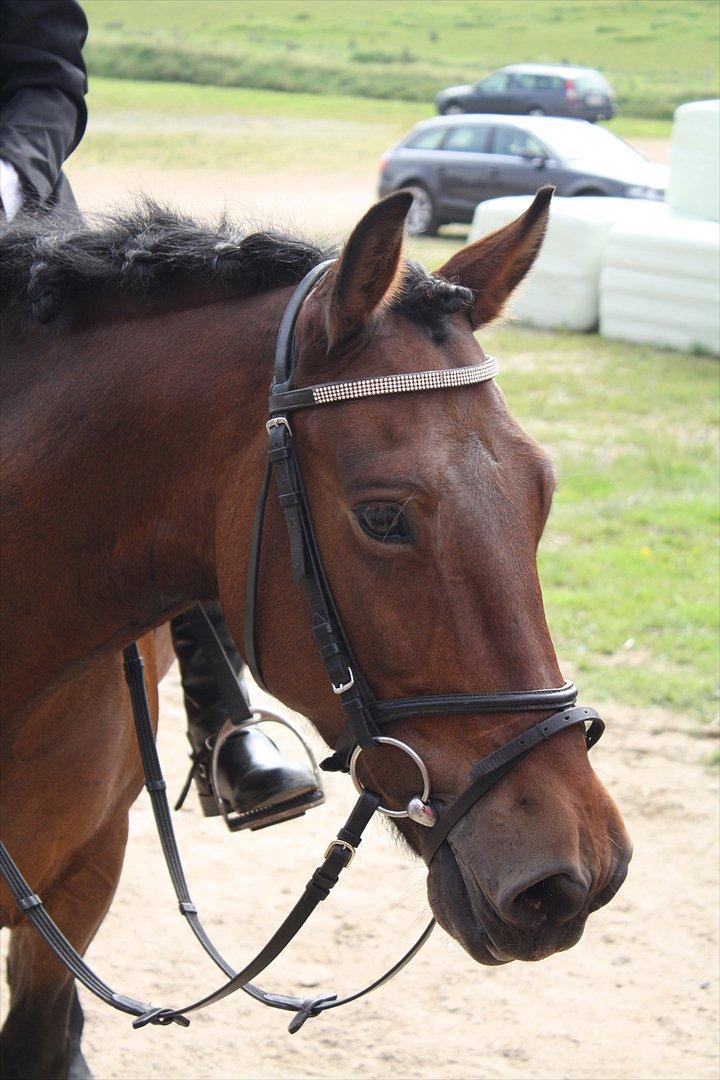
[{"x": 11, "y": 192}]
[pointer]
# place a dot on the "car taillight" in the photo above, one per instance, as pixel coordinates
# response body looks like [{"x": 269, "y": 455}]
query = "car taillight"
[{"x": 570, "y": 91}]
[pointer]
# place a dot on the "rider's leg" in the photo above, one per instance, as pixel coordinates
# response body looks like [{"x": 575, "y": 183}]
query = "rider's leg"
[{"x": 252, "y": 773}]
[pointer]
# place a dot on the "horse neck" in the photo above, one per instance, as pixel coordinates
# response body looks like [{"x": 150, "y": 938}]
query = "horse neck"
[{"x": 133, "y": 437}]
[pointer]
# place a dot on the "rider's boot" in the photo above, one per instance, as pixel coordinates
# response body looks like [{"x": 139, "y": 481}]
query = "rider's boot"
[{"x": 254, "y": 780}]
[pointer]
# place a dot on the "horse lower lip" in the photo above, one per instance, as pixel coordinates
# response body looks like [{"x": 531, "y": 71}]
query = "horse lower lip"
[
  {"x": 496, "y": 952},
  {"x": 611, "y": 888}
]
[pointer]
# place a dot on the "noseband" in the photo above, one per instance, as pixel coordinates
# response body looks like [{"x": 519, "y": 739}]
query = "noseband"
[{"x": 367, "y": 717}]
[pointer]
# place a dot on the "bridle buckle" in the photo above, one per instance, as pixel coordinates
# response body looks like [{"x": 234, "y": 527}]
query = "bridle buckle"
[
  {"x": 340, "y": 688},
  {"x": 341, "y": 844},
  {"x": 276, "y": 422}
]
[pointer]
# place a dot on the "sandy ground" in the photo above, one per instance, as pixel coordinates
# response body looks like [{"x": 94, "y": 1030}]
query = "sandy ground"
[
  {"x": 310, "y": 204},
  {"x": 637, "y": 997}
]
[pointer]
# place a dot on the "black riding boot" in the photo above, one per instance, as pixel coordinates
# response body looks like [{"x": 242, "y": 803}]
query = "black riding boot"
[{"x": 254, "y": 779}]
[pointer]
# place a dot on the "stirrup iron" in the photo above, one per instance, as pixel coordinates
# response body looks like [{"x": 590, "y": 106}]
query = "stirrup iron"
[{"x": 263, "y": 816}]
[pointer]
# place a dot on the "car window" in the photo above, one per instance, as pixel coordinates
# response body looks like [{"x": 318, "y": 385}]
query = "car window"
[
  {"x": 530, "y": 81},
  {"x": 591, "y": 81},
  {"x": 527, "y": 82},
  {"x": 578, "y": 141},
  {"x": 518, "y": 143},
  {"x": 426, "y": 140},
  {"x": 493, "y": 84},
  {"x": 471, "y": 138}
]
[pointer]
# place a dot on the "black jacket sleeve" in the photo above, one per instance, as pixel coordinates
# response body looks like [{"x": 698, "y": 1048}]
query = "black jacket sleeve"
[{"x": 42, "y": 87}]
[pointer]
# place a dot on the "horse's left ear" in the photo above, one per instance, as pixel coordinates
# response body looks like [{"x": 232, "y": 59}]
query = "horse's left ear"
[
  {"x": 494, "y": 266},
  {"x": 367, "y": 269}
]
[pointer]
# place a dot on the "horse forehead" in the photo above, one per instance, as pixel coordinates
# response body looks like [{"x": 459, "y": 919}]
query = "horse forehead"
[
  {"x": 450, "y": 456},
  {"x": 468, "y": 425}
]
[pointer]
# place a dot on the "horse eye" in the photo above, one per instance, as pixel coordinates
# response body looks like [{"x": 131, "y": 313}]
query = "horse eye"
[{"x": 384, "y": 522}]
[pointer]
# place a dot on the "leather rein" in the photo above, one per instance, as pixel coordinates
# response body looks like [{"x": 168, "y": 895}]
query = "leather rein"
[{"x": 366, "y": 716}]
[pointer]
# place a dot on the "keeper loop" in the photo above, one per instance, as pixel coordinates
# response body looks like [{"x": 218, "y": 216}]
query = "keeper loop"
[{"x": 27, "y": 903}]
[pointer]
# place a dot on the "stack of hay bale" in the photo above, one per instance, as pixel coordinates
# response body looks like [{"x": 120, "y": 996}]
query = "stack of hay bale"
[
  {"x": 562, "y": 292},
  {"x": 645, "y": 271},
  {"x": 660, "y": 280}
]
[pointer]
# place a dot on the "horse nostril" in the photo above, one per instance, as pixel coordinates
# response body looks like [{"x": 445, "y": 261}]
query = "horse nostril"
[{"x": 552, "y": 901}]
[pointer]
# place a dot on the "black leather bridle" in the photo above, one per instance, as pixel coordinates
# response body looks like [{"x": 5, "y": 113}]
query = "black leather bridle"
[{"x": 367, "y": 717}]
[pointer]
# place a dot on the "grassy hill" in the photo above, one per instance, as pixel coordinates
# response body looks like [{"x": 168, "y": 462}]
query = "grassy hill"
[{"x": 657, "y": 53}]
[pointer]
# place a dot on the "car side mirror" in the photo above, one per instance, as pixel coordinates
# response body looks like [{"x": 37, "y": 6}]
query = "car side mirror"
[{"x": 537, "y": 161}]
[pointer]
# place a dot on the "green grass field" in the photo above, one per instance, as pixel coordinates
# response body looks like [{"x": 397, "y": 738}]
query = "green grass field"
[
  {"x": 265, "y": 130},
  {"x": 657, "y": 53},
  {"x": 629, "y": 560}
]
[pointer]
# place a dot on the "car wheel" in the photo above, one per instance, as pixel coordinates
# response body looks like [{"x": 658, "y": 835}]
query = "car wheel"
[
  {"x": 589, "y": 191},
  {"x": 536, "y": 111},
  {"x": 422, "y": 218},
  {"x": 452, "y": 109}
]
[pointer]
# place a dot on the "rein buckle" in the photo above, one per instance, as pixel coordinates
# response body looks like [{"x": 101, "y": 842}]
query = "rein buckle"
[{"x": 341, "y": 844}]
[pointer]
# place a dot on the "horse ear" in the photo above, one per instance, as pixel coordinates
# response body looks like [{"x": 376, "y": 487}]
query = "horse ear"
[
  {"x": 494, "y": 266},
  {"x": 367, "y": 269}
]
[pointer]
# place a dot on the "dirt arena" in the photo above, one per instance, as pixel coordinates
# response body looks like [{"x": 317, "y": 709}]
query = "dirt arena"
[{"x": 636, "y": 998}]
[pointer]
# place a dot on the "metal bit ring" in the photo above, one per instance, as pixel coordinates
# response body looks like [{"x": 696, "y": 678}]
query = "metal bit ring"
[{"x": 411, "y": 754}]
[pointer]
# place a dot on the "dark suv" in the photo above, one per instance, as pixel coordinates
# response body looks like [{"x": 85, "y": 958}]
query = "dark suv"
[
  {"x": 451, "y": 163},
  {"x": 534, "y": 90}
]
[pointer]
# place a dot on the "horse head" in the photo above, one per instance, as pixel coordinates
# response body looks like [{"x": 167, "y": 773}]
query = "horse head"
[{"x": 428, "y": 509}]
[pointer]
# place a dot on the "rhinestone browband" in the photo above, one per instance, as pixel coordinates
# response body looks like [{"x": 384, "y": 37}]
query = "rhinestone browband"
[{"x": 330, "y": 393}]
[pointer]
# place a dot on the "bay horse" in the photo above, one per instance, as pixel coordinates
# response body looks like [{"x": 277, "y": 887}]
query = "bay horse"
[{"x": 138, "y": 356}]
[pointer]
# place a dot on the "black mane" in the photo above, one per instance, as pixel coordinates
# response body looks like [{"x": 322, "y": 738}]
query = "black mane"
[{"x": 47, "y": 263}]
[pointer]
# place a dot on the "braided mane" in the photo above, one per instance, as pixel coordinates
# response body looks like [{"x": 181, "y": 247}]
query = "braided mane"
[{"x": 48, "y": 263}]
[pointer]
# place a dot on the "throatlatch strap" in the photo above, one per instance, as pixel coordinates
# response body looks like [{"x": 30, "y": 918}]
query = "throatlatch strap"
[{"x": 253, "y": 576}]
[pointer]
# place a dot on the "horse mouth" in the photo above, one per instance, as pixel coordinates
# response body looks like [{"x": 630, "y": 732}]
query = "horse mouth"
[{"x": 462, "y": 909}]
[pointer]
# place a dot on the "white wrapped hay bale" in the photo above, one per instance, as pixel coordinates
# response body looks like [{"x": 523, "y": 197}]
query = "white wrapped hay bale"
[
  {"x": 660, "y": 283},
  {"x": 695, "y": 160},
  {"x": 562, "y": 289}
]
